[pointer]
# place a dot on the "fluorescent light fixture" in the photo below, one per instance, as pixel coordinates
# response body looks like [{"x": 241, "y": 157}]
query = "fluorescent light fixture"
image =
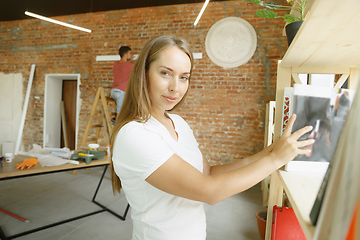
[
  {"x": 107, "y": 58},
  {"x": 57, "y": 22},
  {"x": 201, "y": 12},
  {"x": 102, "y": 58}
]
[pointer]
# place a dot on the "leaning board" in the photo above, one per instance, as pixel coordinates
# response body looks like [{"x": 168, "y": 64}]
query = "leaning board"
[{"x": 343, "y": 190}]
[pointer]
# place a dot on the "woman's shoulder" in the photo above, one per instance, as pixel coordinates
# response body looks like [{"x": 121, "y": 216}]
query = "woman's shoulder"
[
  {"x": 133, "y": 126},
  {"x": 138, "y": 127}
]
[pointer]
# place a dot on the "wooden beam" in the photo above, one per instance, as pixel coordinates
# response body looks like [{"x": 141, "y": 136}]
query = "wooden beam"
[
  {"x": 276, "y": 188},
  {"x": 296, "y": 78},
  {"x": 341, "y": 80},
  {"x": 283, "y": 80},
  {"x": 27, "y": 96},
  {"x": 354, "y": 78},
  {"x": 318, "y": 70},
  {"x": 275, "y": 198},
  {"x": 63, "y": 121}
]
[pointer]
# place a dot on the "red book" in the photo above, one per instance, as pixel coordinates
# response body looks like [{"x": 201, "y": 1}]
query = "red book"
[{"x": 285, "y": 225}]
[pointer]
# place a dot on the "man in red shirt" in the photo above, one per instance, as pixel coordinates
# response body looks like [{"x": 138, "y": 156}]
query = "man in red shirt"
[{"x": 121, "y": 75}]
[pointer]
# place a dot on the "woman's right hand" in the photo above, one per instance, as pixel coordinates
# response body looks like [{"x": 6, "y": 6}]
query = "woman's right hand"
[{"x": 288, "y": 146}]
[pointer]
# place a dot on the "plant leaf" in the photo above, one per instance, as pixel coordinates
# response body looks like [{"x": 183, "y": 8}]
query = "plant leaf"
[
  {"x": 266, "y": 14},
  {"x": 289, "y": 18},
  {"x": 271, "y": 6}
]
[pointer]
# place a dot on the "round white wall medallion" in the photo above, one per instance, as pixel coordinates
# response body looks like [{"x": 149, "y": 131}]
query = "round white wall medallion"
[{"x": 231, "y": 42}]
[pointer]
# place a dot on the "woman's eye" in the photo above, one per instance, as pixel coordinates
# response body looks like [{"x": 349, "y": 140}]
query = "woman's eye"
[
  {"x": 165, "y": 73},
  {"x": 184, "y": 78}
]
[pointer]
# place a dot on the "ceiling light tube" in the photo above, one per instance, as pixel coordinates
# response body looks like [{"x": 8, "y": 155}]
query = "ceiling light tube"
[
  {"x": 57, "y": 22},
  {"x": 201, "y": 12}
]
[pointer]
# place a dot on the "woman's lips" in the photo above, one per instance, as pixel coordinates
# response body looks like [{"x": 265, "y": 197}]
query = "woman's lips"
[{"x": 169, "y": 99}]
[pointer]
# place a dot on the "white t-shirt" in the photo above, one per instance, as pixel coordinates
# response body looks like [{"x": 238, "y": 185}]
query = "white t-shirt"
[{"x": 140, "y": 149}]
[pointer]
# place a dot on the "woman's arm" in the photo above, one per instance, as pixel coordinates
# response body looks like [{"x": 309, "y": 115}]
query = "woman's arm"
[
  {"x": 216, "y": 169},
  {"x": 179, "y": 178}
]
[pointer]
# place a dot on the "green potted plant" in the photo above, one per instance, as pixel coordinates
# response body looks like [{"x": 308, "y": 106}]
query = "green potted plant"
[{"x": 294, "y": 21}]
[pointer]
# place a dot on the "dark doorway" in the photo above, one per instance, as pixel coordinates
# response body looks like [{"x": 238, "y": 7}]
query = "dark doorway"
[{"x": 69, "y": 95}]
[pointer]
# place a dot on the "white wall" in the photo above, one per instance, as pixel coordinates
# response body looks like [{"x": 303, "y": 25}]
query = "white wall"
[{"x": 11, "y": 101}]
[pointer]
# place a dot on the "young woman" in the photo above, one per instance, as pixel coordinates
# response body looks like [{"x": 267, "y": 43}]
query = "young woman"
[{"x": 165, "y": 177}]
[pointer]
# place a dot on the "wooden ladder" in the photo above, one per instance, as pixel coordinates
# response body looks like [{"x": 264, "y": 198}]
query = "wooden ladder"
[{"x": 104, "y": 119}]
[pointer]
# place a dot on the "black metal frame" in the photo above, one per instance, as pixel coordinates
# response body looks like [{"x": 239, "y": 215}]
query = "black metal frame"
[{"x": 4, "y": 237}]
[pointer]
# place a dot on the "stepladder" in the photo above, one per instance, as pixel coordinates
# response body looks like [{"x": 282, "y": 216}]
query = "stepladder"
[{"x": 99, "y": 119}]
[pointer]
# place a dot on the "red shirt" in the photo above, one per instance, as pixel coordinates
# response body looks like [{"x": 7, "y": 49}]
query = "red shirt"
[{"x": 121, "y": 74}]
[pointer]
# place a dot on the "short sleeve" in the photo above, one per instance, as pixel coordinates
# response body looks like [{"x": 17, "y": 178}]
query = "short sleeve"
[{"x": 140, "y": 150}]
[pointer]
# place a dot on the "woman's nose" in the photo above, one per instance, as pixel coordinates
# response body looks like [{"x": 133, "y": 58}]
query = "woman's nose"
[{"x": 173, "y": 84}]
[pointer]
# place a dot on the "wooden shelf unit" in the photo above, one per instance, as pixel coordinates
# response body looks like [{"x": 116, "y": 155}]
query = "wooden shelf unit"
[
  {"x": 301, "y": 189},
  {"x": 328, "y": 42}
]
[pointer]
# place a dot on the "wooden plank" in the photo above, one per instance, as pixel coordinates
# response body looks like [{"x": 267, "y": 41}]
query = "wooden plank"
[
  {"x": 320, "y": 70},
  {"x": 283, "y": 80},
  {"x": 266, "y": 125},
  {"x": 22, "y": 121},
  {"x": 343, "y": 189},
  {"x": 326, "y": 34},
  {"x": 354, "y": 78},
  {"x": 276, "y": 189},
  {"x": 269, "y": 131},
  {"x": 275, "y": 198},
  {"x": 271, "y": 134},
  {"x": 269, "y": 123},
  {"x": 296, "y": 78},
  {"x": 106, "y": 111},
  {"x": 107, "y": 132},
  {"x": 63, "y": 121},
  {"x": 265, "y": 190},
  {"x": 341, "y": 80},
  {"x": 92, "y": 114},
  {"x": 98, "y": 130},
  {"x": 301, "y": 189}
]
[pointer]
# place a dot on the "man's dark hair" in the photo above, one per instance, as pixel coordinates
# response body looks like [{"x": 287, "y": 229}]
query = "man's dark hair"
[{"x": 123, "y": 50}]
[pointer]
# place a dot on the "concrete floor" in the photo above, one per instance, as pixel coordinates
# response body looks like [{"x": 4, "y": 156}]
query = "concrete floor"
[{"x": 46, "y": 199}]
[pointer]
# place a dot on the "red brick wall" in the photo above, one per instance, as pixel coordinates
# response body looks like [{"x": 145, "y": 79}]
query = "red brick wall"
[{"x": 225, "y": 107}]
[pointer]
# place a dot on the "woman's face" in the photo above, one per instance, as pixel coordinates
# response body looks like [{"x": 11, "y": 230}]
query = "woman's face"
[{"x": 168, "y": 79}]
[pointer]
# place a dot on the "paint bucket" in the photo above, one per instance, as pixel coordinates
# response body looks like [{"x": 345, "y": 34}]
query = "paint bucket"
[
  {"x": 93, "y": 146},
  {"x": 8, "y": 157}
]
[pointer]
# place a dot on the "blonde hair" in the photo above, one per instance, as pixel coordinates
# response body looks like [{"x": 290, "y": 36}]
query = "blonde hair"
[{"x": 137, "y": 104}]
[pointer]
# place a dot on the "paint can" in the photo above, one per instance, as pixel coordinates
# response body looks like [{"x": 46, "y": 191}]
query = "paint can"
[
  {"x": 8, "y": 157},
  {"x": 93, "y": 146}
]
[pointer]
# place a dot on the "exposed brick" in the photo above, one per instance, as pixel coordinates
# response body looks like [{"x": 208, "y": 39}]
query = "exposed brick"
[{"x": 225, "y": 107}]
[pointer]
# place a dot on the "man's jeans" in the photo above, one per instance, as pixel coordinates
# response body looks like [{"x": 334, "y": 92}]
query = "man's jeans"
[{"x": 118, "y": 95}]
